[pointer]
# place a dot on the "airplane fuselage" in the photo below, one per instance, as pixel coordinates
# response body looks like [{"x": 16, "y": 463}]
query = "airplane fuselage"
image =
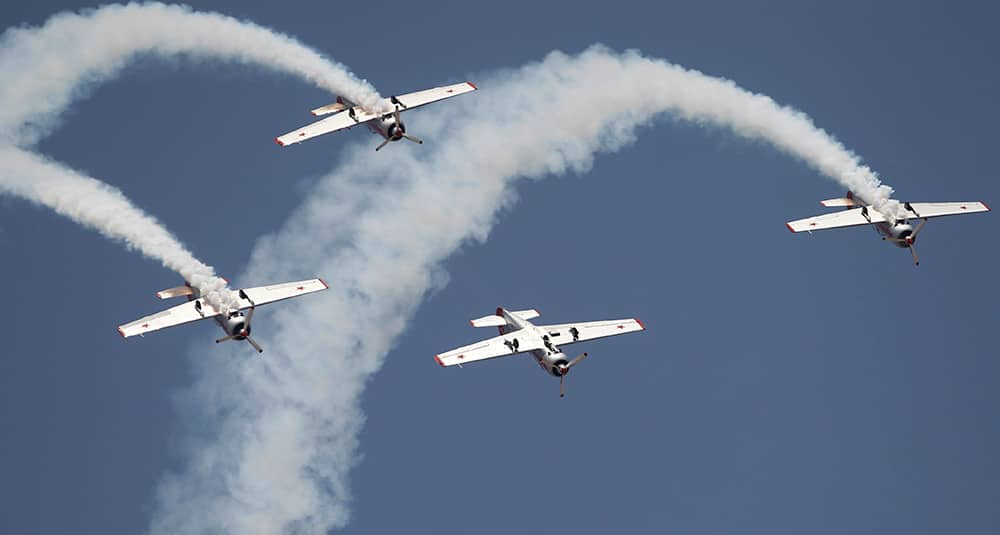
[
  {"x": 550, "y": 358},
  {"x": 901, "y": 233},
  {"x": 387, "y": 127},
  {"x": 233, "y": 324}
]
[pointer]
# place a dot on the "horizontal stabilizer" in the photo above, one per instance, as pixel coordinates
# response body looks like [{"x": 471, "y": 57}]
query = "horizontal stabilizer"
[
  {"x": 329, "y": 108},
  {"x": 529, "y": 314},
  {"x": 489, "y": 321},
  {"x": 843, "y": 201},
  {"x": 176, "y": 291}
]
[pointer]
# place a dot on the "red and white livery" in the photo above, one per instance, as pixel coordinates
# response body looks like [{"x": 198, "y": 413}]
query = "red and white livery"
[
  {"x": 236, "y": 323},
  {"x": 519, "y": 335},
  {"x": 388, "y": 125},
  {"x": 898, "y": 232}
]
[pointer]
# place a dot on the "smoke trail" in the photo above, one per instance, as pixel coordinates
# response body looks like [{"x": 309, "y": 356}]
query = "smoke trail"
[
  {"x": 47, "y": 68},
  {"x": 280, "y": 436},
  {"x": 105, "y": 209}
]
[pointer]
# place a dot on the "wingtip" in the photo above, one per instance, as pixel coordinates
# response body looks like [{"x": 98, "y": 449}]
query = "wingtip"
[
  {"x": 790, "y": 229},
  {"x": 472, "y": 85},
  {"x": 121, "y": 332},
  {"x": 279, "y": 142},
  {"x": 325, "y": 285},
  {"x": 988, "y": 209},
  {"x": 437, "y": 358},
  {"x": 641, "y": 324}
]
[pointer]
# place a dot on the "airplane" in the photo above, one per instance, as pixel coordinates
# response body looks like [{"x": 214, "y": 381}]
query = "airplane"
[
  {"x": 235, "y": 323},
  {"x": 898, "y": 232},
  {"x": 519, "y": 335},
  {"x": 388, "y": 125}
]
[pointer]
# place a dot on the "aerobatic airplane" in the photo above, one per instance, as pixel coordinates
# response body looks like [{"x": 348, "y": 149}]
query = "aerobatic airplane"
[
  {"x": 899, "y": 232},
  {"x": 518, "y": 335},
  {"x": 388, "y": 125},
  {"x": 235, "y": 323}
]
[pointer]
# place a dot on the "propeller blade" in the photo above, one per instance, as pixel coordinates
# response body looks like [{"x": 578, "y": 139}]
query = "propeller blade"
[
  {"x": 227, "y": 338},
  {"x": 575, "y": 361},
  {"x": 919, "y": 227},
  {"x": 254, "y": 344},
  {"x": 562, "y": 389},
  {"x": 416, "y": 140},
  {"x": 916, "y": 261},
  {"x": 246, "y": 325},
  {"x": 384, "y": 143}
]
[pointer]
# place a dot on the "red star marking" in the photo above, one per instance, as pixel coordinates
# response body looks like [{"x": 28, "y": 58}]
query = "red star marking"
[
  {"x": 302, "y": 134},
  {"x": 461, "y": 357},
  {"x": 962, "y": 207},
  {"x": 145, "y": 325},
  {"x": 450, "y": 91},
  {"x": 813, "y": 224},
  {"x": 300, "y": 288},
  {"x": 621, "y": 326}
]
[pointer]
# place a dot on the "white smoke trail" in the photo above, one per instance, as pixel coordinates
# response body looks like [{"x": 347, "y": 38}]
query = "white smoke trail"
[
  {"x": 279, "y": 436},
  {"x": 105, "y": 209},
  {"x": 47, "y": 68}
]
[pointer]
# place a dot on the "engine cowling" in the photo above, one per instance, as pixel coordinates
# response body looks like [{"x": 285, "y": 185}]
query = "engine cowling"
[
  {"x": 903, "y": 232},
  {"x": 236, "y": 325},
  {"x": 556, "y": 364}
]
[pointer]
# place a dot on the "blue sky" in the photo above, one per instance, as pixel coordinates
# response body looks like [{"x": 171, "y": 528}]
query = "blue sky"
[{"x": 786, "y": 383}]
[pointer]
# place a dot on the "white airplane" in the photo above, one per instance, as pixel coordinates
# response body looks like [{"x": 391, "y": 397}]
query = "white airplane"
[
  {"x": 518, "y": 335},
  {"x": 899, "y": 232},
  {"x": 235, "y": 323},
  {"x": 388, "y": 125}
]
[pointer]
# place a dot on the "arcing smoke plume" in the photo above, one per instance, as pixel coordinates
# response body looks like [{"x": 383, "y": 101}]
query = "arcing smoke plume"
[
  {"x": 282, "y": 435},
  {"x": 46, "y": 68},
  {"x": 99, "y": 206}
]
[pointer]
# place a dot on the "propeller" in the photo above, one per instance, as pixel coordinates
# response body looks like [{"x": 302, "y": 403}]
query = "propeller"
[
  {"x": 384, "y": 143},
  {"x": 402, "y": 129},
  {"x": 255, "y": 345},
  {"x": 245, "y": 333},
  {"x": 246, "y": 324},
  {"x": 564, "y": 369}
]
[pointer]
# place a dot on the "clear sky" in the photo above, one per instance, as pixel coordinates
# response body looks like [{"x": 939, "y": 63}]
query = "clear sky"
[{"x": 786, "y": 383}]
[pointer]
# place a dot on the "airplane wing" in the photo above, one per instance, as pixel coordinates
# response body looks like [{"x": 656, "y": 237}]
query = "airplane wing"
[
  {"x": 177, "y": 315},
  {"x": 499, "y": 346},
  {"x": 420, "y": 98},
  {"x": 199, "y": 309},
  {"x": 854, "y": 216},
  {"x": 333, "y": 123},
  {"x": 938, "y": 209},
  {"x": 569, "y": 333},
  {"x": 263, "y": 295}
]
